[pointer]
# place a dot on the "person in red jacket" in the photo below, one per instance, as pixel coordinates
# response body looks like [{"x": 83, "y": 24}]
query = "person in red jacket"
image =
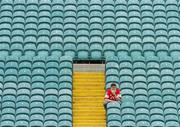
[{"x": 112, "y": 94}]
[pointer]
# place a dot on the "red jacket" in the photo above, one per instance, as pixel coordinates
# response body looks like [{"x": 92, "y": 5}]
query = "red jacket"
[{"x": 109, "y": 95}]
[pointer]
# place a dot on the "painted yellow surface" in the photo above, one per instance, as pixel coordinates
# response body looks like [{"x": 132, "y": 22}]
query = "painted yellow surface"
[{"x": 88, "y": 97}]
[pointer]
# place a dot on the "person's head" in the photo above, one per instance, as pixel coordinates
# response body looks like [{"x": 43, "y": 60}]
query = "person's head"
[{"x": 113, "y": 86}]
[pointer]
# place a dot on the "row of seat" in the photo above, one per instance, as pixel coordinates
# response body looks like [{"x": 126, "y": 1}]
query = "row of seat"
[
  {"x": 122, "y": 115},
  {"x": 92, "y": 2},
  {"x": 84, "y": 48},
  {"x": 36, "y": 91},
  {"x": 149, "y": 88},
  {"x": 90, "y": 29},
  {"x": 138, "y": 72}
]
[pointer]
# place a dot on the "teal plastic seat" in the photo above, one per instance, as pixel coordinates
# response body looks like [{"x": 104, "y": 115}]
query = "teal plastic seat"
[
  {"x": 122, "y": 49},
  {"x": 8, "y": 104},
  {"x": 23, "y": 90},
  {"x": 37, "y": 93},
  {"x": 174, "y": 47},
  {"x": 65, "y": 105},
  {"x": 43, "y": 49},
  {"x": 12, "y": 62},
  {"x": 96, "y": 47},
  {"x": 38, "y": 72},
  {"x": 113, "y": 117},
  {"x": 66, "y": 62},
  {"x": 56, "y": 48},
  {"x": 112, "y": 59},
  {"x": 65, "y": 124},
  {"x": 65, "y": 117},
  {"x": 65, "y": 85},
  {"x": 109, "y": 49},
  {"x": 128, "y": 124},
  {"x": 125, "y": 59},
  {"x": 112, "y": 78},
  {"x": 162, "y": 50},
  {"x": 52, "y": 62},
  {"x": 113, "y": 105},
  {"x": 127, "y": 111},
  {"x": 21, "y": 123},
  {"x": 8, "y": 119},
  {"x": 39, "y": 62},
  {"x": 70, "y": 49},
  {"x": 51, "y": 81},
  {"x": 157, "y": 120},
  {"x": 83, "y": 51},
  {"x": 7, "y": 123},
  {"x": 142, "y": 113},
  {"x": 4, "y": 49},
  {"x": 50, "y": 123},
  {"x": 112, "y": 65},
  {"x": 65, "y": 92},
  {"x": 30, "y": 46},
  {"x": 143, "y": 123},
  {"x": 172, "y": 123},
  {"x": 111, "y": 72},
  {"x": 95, "y": 4},
  {"x": 83, "y": 47},
  {"x": 114, "y": 124},
  {"x": 65, "y": 72},
  {"x": 155, "y": 98},
  {"x": 135, "y": 50},
  {"x": 51, "y": 110},
  {"x": 43, "y": 46},
  {"x": 126, "y": 71},
  {"x": 51, "y": 91},
  {"x": 122, "y": 34},
  {"x": 65, "y": 78},
  {"x": 82, "y": 28},
  {"x": 65, "y": 111},
  {"x": 113, "y": 111},
  {"x": 36, "y": 123},
  {"x": 25, "y": 62}
]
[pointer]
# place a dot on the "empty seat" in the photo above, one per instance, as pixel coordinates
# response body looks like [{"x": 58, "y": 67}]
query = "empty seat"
[{"x": 83, "y": 47}]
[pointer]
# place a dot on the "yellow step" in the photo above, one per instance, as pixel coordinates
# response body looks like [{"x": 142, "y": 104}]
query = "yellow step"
[
  {"x": 93, "y": 120},
  {"x": 88, "y": 114},
  {"x": 89, "y": 124},
  {"x": 88, "y": 81},
  {"x": 87, "y": 73},
  {"x": 86, "y": 91},
  {"x": 88, "y": 76},
  {"x": 87, "y": 108},
  {"x": 87, "y": 105},
  {"x": 82, "y": 88},
  {"x": 89, "y": 84},
  {"x": 88, "y": 98}
]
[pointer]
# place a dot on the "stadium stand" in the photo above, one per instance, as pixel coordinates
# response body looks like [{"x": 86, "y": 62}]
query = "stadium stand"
[
  {"x": 36, "y": 92},
  {"x": 138, "y": 39}
]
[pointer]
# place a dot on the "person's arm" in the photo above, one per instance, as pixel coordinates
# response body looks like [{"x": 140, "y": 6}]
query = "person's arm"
[
  {"x": 106, "y": 98},
  {"x": 118, "y": 97}
]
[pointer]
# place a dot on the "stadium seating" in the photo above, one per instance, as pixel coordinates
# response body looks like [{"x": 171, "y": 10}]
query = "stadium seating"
[
  {"x": 149, "y": 91},
  {"x": 138, "y": 39},
  {"x": 36, "y": 92},
  {"x": 90, "y": 29}
]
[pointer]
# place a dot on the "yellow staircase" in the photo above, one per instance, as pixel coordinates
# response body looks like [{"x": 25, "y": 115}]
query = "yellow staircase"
[{"x": 88, "y": 96}]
